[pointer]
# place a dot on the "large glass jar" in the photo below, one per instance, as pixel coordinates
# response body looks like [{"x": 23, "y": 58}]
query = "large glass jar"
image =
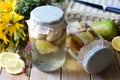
[{"x": 47, "y": 33}]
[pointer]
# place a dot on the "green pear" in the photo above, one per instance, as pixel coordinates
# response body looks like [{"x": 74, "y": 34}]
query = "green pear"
[{"x": 106, "y": 28}]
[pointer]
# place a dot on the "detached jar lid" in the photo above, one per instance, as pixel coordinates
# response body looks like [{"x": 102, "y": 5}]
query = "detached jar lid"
[
  {"x": 46, "y": 14},
  {"x": 97, "y": 59}
]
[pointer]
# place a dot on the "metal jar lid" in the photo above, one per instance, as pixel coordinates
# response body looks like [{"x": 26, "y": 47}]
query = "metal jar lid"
[
  {"x": 95, "y": 56},
  {"x": 46, "y": 14},
  {"x": 97, "y": 59}
]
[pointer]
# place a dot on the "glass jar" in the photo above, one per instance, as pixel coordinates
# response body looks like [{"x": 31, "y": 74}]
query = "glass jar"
[
  {"x": 47, "y": 33},
  {"x": 78, "y": 35},
  {"x": 89, "y": 49}
]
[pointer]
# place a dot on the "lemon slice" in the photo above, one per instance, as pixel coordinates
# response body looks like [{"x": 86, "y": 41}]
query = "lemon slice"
[
  {"x": 6, "y": 56},
  {"x": 45, "y": 47},
  {"x": 14, "y": 66},
  {"x": 116, "y": 43}
]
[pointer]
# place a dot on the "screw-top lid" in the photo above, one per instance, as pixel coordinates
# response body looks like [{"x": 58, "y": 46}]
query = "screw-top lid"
[
  {"x": 97, "y": 59},
  {"x": 46, "y": 14}
]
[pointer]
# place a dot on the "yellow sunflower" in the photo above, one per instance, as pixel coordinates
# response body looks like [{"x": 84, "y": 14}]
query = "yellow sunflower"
[
  {"x": 3, "y": 37},
  {"x": 9, "y": 21},
  {"x": 7, "y": 5},
  {"x": 13, "y": 23}
]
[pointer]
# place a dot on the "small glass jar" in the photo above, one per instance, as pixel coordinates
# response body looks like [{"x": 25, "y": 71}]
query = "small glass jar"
[
  {"x": 47, "y": 33},
  {"x": 78, "y": 35},
  {"x": 89, "y": 49}
]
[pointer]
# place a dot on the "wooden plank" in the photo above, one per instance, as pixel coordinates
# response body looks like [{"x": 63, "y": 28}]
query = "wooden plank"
[
  {"x": 39, "y": 75},
  {"x": 72, "y": 71},
  {"x": 111, "y": 73},
  {"x": 118, "y": 57},
  {"x": 6, "y": 76}
]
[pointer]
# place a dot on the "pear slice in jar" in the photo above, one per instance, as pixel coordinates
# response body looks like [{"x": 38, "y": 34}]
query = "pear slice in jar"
[
  {"x": 74, "y": 44},
  {"x": 86, "y": 37},
  {"x": 45, "y": 47},
  {"x": 76, "y": 38},
  {"x": 41, "y": 36},
  {"x": 76, "y": 27},
  {"x": 54, "y": 35},
  {"x": 68, "y": 41},
  {"x": 61, "y": 40}
]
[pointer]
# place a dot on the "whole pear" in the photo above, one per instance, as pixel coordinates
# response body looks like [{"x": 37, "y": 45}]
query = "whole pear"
[{"x": 106, "y": 28}]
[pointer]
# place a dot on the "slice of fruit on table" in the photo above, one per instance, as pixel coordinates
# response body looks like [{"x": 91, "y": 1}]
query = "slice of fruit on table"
[
  {"x": 116, "y": 43},
  {"x": 11, "y": 62},
  {"x": 15, "y": 66},
  {"x": 6, "y": 56}
]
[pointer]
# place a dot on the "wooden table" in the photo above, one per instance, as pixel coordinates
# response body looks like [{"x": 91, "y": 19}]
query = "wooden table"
[{"x": 70, "y": 71}]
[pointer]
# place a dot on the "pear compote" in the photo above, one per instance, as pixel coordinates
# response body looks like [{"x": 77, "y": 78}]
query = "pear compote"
[
  {"x": 47, "y": 33},
  {"x": 78, "y": 35}
]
